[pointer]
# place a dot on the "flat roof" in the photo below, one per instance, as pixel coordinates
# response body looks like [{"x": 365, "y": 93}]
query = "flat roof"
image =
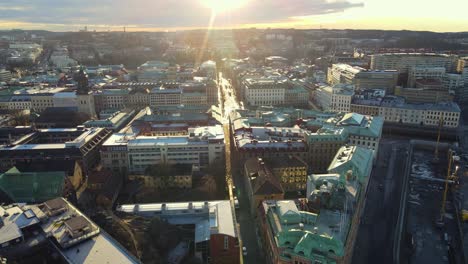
[
  {"x": 99, "y": 249},
  {"x": 180, "y": 213}
]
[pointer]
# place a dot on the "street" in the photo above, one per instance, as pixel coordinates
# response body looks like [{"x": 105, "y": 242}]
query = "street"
[{"x": 248, "y": 230}]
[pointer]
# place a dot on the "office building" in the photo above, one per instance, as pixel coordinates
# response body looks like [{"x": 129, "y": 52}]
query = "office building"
[
  {"x": 202, "y": 146},
  {"x": 361, "y": 78}
]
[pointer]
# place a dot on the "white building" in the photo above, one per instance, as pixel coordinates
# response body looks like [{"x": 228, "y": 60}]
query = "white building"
[
  {"x": 335, "y": 99},
  {"x": 202, "y": 147},
  {"x": 259, "y": 92}
]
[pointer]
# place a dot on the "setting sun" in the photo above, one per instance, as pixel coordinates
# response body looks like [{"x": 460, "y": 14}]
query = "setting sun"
[{"x": 223, "y": 5}]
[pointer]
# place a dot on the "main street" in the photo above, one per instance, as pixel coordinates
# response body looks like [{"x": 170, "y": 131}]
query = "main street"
[{"x": 248, "y": 230}]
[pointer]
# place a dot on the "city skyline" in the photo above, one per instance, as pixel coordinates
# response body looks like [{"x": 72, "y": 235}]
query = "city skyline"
[{"x": 145, "y": 15}]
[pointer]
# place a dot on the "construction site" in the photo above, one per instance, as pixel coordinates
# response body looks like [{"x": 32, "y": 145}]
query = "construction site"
[{"x": 429, "y": 227}]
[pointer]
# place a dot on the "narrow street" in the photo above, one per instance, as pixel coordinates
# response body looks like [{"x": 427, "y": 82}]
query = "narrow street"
[{"x": 247, "y": 223}]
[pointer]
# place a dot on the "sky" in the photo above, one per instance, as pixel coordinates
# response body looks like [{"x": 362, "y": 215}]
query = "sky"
[{"x": 157, "y": 15}]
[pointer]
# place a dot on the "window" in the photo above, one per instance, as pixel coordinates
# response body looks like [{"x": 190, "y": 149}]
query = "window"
[{"x": 226, "y": 242}]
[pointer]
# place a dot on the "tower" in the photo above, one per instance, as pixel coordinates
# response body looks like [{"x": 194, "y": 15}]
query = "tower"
[{"x": 84, "y": 97}]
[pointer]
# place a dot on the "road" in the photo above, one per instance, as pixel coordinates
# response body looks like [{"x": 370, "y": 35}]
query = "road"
[
  {"x": 374, "y": 241},
  {"x": 248, "y": 230}
]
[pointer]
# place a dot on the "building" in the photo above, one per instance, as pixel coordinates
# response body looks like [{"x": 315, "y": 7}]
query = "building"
[
  {"x": 310, "y": 135},
  {"x": 291, "y": 171},
  {"x": 403, "y": 62},
  {"x": 268, "y": 142},
  {"x": 165, "y": 97},
  {"x": 396, "y": 110},
  {"x": 201, "y": 146},
  {"x": 260, "y": 92},
  {"x": 116, "y": 121},
  {"x": 424, "y": 95},
  {"x": 216, "y": 238},
  {"x": 321, "y": 228},
  {"x": 260, "y": 183},
  {"x": 296, "y": 95},
  {"x": 462, "y": 63},
  {"x": 5, "y": 76},
  {"x": 335, "y": 98},
  {"x": 33, "y": 187},
  {"x": 416, "y": 73},
  {"x": 77, "y": 144},
  {"x": 56, "y": 226},
  {"x": 72, "y": 177},
  {"x": 178, "y": 177},
  {"x": 361, "y": 78},
  {"x": 323, "y": 145}
]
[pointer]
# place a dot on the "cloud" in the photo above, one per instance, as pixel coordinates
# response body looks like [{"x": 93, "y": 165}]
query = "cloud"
[{"x": 162, "y": 13}]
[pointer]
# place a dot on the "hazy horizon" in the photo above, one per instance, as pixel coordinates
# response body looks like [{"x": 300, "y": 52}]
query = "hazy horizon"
[{"x": 147, "y": 15}]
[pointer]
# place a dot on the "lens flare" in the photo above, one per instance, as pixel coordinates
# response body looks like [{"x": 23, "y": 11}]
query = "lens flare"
[{"x": 219, "y": 6}]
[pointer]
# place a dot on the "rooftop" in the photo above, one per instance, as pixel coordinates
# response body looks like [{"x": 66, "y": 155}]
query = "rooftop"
[{"x": 212, "y": 217}]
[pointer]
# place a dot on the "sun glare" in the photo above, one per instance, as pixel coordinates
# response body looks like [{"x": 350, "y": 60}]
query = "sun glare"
[{"x": 223, "y": 5}]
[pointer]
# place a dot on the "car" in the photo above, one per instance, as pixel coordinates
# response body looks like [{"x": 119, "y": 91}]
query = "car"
[{"x": 244, "y": 251}]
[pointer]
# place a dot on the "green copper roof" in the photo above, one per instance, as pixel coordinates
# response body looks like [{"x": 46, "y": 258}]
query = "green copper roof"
[
  {"x": 352, "y": 158},
  {"x": 32, "y": 187}
]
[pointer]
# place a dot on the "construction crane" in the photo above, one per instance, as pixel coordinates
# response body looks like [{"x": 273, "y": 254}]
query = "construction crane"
[
  {"x": 436, "y": 152},
  {"x": 451, "y": 176}
]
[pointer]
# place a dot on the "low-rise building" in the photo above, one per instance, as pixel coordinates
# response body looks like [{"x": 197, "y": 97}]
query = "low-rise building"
[
  {"x": 114, "y": 122},
  {"x": 216, "y": 238},
  {"x": 58, "y": 227},
  {"x": 78, "y": 144}
]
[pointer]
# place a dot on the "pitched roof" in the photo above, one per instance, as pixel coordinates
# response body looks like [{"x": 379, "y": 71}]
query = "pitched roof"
[{"x": 265, "y": 182}]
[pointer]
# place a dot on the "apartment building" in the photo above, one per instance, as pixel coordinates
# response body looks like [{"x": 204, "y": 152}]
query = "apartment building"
[{"x": 403, "y": 62}]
